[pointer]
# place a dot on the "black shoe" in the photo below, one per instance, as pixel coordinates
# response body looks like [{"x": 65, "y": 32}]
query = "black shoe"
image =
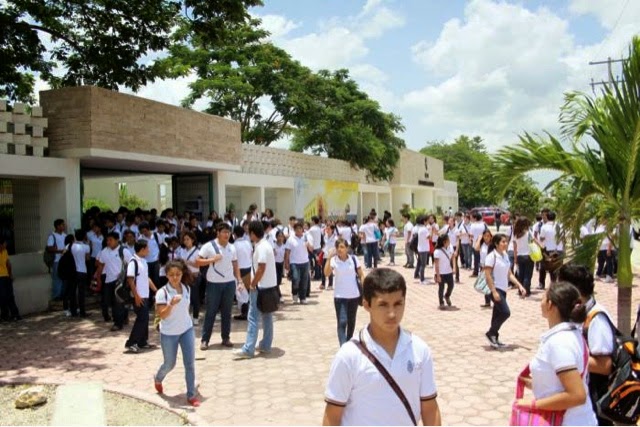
[
  {"x": 448, "y": 300},
  {"x": 107, "y": 319},
  {"x": 147, "y": 346},
  {"x": 239, "y": 317}
]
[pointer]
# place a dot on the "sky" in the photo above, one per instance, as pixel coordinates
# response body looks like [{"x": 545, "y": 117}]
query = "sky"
[{"x": 452, "y": 67}]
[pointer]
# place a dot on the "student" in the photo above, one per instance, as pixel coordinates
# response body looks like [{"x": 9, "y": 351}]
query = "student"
[
  {"x": 498, "y": 273},
  {"x": 140, "y": 283},
  {"x": 390, "y": 236},
  {"x": 598, "y": 333},
  {"x": 296, "y": 260},
  {"x": 56, "y": 245},
  {"x": 109, "y": 265},
  {"x": 264, "y": 277},
  {"x": 152, "y": 256},
  {"x": 559, "y": 369},
  {"x": 407, "y": 235},
  {"x": 244, "y": 251},
  {"x": 356, "y": 394},
  {"x": 368, "y": 235},
  {"x": 176, "y": 329},
  {"x": 451, "y": 230},
  {"x": 549, "y": 240},
  {"x": 466, "y": 242},
  {"x": 223, "y": 275},
  {"x": 475, "y": 230},
  {"x": 189, "y": 254},
  {"x": 315, "y": 232},
  {"x": 346, "y": 296},
  {"x": 76, "y": 289},
  {"x": 443, "y": 256},
  {"x": 521, "y": 239},
  {"x": 423, "y": 229},
  {"x": 8, "y": 308},
  {"x": 485, "y": 245},
  {"x": 330, "y": 238},
  {"x": 96, "y": 241},
  {"x": 279, "y": 251}
]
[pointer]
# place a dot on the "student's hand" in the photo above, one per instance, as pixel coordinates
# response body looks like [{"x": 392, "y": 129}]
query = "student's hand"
[
  {"x": 524, "y": 403},
  {"x": 138, "y": 300},
  {"x": 527, "y": 381},
  {"x": 437, "y": 278},
  {"x": 523, "y": 291},
  {"x": 216, "y": 258},
  {"x": 496, "y": 296},
  {"x": 176, "y": 299}
]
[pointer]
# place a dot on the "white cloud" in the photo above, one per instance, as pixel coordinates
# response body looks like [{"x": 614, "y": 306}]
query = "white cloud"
[
  {"x": 609, "y": 12},
  {"x": 279, "y": 26},
  {"x": 501, "y": 69}
]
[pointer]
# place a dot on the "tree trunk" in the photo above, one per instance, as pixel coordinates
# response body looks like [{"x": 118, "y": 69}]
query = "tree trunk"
[{"x": 625, "y": 277}]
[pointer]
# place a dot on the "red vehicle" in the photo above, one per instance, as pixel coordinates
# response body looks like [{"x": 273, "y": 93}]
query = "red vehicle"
[{"x": 489, "y": 214}]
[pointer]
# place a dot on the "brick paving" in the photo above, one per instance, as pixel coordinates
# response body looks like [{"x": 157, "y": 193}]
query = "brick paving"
[{"x": 475, "y": 383}]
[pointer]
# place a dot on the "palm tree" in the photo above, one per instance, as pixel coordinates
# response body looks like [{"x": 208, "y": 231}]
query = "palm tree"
[{"x": 599, "y": 156}]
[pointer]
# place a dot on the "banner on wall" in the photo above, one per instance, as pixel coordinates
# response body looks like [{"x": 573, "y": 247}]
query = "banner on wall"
[{"x": 329, "y": 199}]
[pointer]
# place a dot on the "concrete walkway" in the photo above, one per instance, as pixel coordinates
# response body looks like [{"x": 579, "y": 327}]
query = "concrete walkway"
[{"x": 475, "y": 383}]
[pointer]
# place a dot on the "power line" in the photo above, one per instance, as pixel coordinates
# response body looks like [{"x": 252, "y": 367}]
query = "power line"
[{"x": 612, "y": 79}]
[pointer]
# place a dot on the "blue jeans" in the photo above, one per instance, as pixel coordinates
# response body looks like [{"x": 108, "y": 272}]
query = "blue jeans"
[
  {"x": 57, "y": 284},
  {"x": 219, "y": 296},
  {"x": 317, "y": 273},
  {"x": 423, "y": 260},
  {"x": 300, "y": 282},
  {"x": 392, "y": 253},
  {"x": 467, "y": 254},
  {"x": 169, "y": 344},
  {"x": 346, "y": 310},
  {"x": 500, "y": 313},
  {"x": 253, "y": 318},
  {"x": 371, "y": 254}
]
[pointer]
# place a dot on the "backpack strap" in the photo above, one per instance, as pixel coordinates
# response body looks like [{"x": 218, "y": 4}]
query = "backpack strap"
[
  {"x": 156, "y": 238},
  {"x": 589, "y": 319},
  {"x": 387, "y": 376}
]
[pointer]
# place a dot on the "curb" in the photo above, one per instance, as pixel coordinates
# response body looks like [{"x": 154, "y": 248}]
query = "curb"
[{"x": 191, "y": 416}]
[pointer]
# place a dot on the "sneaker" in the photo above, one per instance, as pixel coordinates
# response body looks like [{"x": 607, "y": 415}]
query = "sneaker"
[
  {"x": 133, "y": 348},
  {"x": 330, "y": 288},
  {"x": 67, "y": 313},
  {"x": 227, "y": 343},
  {"x": 194, "y": 402},
  {"x": 423, "y": 282},
  {"x": 442, "y": 307},
  {"x": 158, "y": 386},
  {"x": 261, "y": 351},
  {"x": 296, "y": 300},
  {"x": 448, "y": 300},
  {"x": 239, "y": 354},
  {"x": 204, "y": 345},
  {"x": 493, "y": 340},
  {"x": 303, "y": 302},
  {"x": 321, "y": 288},
  {"x": 485, "y": 305},
  {"x": 195, "y": 321},
  {"x": 608, "y": 279},
  {"x": 501, "y": 344}
]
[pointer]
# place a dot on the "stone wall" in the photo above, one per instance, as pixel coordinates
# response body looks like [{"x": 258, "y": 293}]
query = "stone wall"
[{"x": 91, "y": 117}]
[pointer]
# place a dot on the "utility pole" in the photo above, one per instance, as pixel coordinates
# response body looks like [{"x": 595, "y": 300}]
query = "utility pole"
[{"x": 609, "y": 63}]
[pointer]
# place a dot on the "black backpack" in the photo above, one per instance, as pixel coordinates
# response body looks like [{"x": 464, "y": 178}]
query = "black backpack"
[
  {"x": 621, "y": 402},
  {"x": 413, "y": 244},
  {"x": 123, "y": 291},
  {"x": 67, "y": 265}
]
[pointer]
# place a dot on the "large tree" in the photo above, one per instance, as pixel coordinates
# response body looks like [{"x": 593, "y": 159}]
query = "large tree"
[
  {"x": 466, "y": 161},
  {"x": 601, "y": 160},
  {"x": 98, "y": 42},
  {"x": 344, "y": 123}
]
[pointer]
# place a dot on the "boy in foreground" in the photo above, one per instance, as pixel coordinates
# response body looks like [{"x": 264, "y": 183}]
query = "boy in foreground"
[{"x": 358, "y": 392}]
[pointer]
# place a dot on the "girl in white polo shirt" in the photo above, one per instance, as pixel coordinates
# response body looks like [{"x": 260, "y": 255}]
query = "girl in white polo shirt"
[
  {"x": 521, "y": 253},
  {"x": 176, "y": 329},
  {"x": 558, "y": 371},
  {"x": 497, "y": 270},
  {"x": 443, "y": 255},
  {"x": 346, "y": 295}
]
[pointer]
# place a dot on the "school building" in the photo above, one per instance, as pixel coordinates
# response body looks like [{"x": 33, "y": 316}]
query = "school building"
[{"x": 88, "y": 142}]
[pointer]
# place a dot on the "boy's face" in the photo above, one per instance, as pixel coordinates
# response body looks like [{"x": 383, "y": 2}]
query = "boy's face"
[
  {"x": 386, "y": 311},
  {"x": 144, "y": 252}
]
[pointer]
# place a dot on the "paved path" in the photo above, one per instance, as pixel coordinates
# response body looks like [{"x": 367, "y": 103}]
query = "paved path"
[{"x": 475, "y": 383}]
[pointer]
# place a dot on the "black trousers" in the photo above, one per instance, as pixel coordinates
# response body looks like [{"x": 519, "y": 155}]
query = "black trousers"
[
  {"x": 75, "y": 292},
  {"x": 8, "y": 307},
  {"x": 140, "y": 330}
]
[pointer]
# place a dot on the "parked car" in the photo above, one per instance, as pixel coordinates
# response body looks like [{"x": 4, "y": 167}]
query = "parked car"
[{"x": 489, "y": 214}]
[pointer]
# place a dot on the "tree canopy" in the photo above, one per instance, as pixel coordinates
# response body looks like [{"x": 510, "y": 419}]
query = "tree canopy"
[{"x": 105, "y": 43}]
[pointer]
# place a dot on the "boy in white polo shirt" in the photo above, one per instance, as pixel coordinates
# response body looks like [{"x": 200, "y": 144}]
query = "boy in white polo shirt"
[{"x": 359, "y": 390}]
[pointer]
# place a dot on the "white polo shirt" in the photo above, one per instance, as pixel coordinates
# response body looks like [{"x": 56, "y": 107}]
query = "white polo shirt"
[
  {"x": 279, "y": 252},
  {"x": 189, "y": 255},
  {"x": 548, "y": 236},
  {"x": 244, "y": 252},
  {"x": 443, "y": 256},
  {"x": 501, "y": 267},
  {"x": 112, "y": 262},
  {"x": 298, "y": 250},
  {"x": 599, "y": 333},
  {"x": 406, "y": 231},
  {"x": 263, "y": 254},
  {"x": 369, "y": 231},
  {"x": 142, "y": 279},
  {"x": 562, "y": 349},
  {"x": 154, "y": 248},
  {"x": 355, "y": 383},
  {"x": 329, "y": 243},
  {"x": 57, "y": 240},
  {"x": 96, "y": 243},
  {"x": 345, "y": 233},
  {"x": 463, "y": 233},
  {"x": 344, "y": 277},
  {"x": 476, "y": 230},
  {"x": 179, "y": 321},
  {"x": 80, "y": 251},
  {"x": 424, "y": 235},
  {"x": 522, "y": 244},
  {"x": 221, "y": 271},
  {"x": 316, "y": 234}
]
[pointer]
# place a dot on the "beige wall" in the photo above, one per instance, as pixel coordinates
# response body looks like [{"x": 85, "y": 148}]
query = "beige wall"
[
  {"x": 91, "y": 117},
  {"x": 414, "y": 167},
  {"x": 146, "y": 187}
]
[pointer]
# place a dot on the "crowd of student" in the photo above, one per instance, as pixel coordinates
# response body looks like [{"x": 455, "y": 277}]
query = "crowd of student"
[{"x": 178, "y": 260}]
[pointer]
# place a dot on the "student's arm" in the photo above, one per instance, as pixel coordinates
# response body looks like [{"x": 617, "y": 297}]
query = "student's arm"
[
  {"x": 513, "y": 279},
  {"x": 602, "y": 365},
  {"x": 262, "y": 267},
  {"x": 488, "y": 269},
  {"x": 287, "y": 253},
  {"x": 152, "y": 285},
  {"x": 430, "y": 413},
  {"x": 236, "y": 271},
  {"x": 98, "y": 273},
  {"x": 327, "y": 266},
  {"x": 574, "y": 394},
  {"x": 332, "y": 415},
  {"x": 131, "y": 281},
  {"x": 436, "y": 263}
]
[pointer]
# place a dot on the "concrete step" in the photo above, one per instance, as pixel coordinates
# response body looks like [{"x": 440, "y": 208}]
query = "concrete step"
[{"x": 79, "y": 404}]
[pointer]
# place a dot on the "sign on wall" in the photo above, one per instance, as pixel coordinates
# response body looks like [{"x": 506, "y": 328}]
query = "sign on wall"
[{"x": 329, "y": 199}]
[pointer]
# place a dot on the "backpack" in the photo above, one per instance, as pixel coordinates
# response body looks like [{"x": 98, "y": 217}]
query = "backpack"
[
  {"x": 67, "y": 265},
  {"x": 49, "y": 257},
  {"x": 123, "y": 292},
  {"x": 621, "y": 403},
  {"x": 413, "y": 244}
]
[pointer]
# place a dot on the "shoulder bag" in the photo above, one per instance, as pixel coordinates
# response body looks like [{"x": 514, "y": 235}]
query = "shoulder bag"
[
  {"x": 358, "y": 281},
  {"x": 387, "y": 376}
]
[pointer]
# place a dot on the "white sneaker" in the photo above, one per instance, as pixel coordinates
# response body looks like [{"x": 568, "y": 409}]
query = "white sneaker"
[
  {"x": 296, "y": 300},
  {"x": 195, "y": 322},
  {"x": 303, "y": 302},
  {"x": 608, "y": 279},
  {"x": 67, "y": 313},
  {"x": 239, "y": 354}
]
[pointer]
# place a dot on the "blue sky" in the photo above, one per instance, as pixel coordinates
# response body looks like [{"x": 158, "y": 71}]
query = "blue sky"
[{"x": 480, "y": 67}]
